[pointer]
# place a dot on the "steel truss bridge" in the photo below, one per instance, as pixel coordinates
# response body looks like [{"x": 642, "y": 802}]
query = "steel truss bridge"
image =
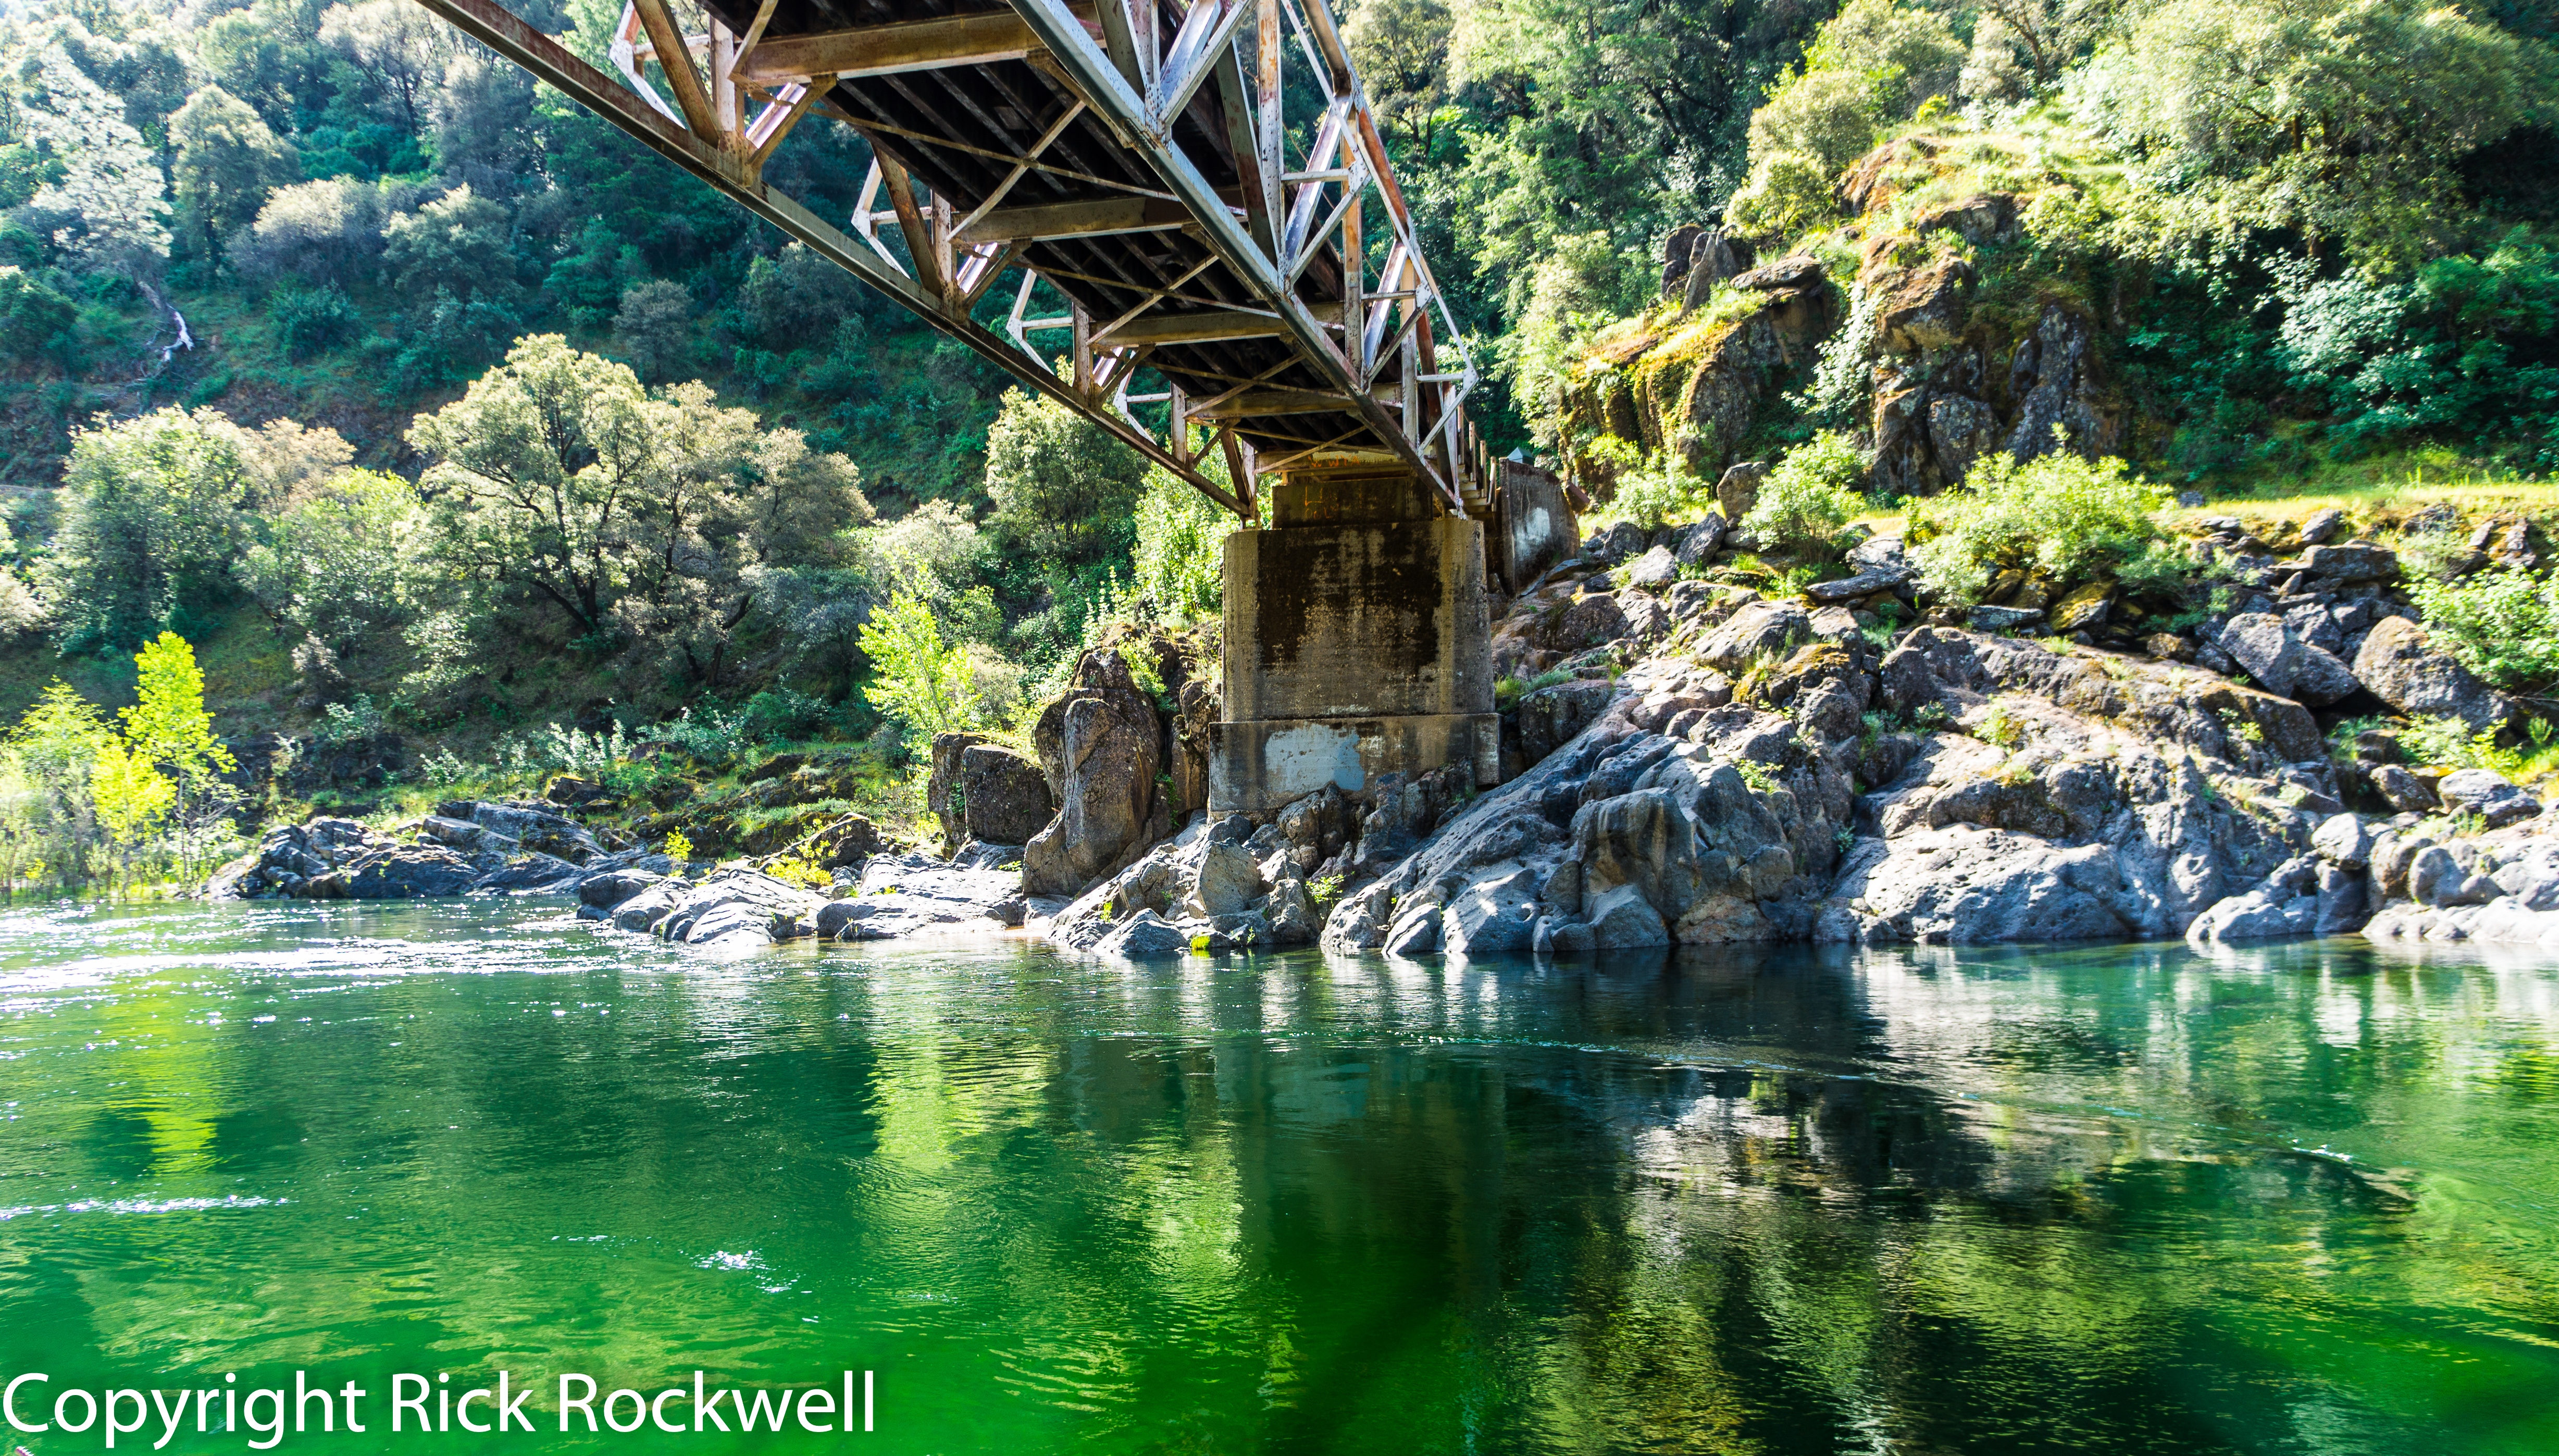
[{"x": 1132, "y": 156}]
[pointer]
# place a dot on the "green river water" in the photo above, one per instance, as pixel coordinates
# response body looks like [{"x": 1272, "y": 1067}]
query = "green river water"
[{"x": 2121, "y": 1199}]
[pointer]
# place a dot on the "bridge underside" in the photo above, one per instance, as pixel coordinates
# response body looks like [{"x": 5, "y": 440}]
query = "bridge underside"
[{"x": 1211, "y": 288}]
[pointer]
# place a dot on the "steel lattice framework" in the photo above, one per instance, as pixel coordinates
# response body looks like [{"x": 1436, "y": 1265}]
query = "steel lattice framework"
[{"x": 1132, "y": 157}]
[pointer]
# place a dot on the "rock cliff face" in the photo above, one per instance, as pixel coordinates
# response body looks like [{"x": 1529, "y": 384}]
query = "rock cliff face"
[
  {"x": 1952, "y": 336},
  {"x": 1700, "y": 380}
]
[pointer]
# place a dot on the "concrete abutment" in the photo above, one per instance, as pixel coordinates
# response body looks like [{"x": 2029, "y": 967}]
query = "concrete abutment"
[{"x": 1358, "y": 643}]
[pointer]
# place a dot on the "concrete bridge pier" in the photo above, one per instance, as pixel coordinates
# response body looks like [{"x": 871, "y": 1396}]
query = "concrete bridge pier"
[{"x": 1358, "y": 642}]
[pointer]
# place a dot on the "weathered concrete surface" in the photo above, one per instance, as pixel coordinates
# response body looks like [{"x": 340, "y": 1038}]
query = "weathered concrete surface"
[
  {"x": 1533, "y": 523},
  {"x": 1364, "y": 621},
  {"x": 1353, "y": 649},
  {"x": 1258, "y": 767}
]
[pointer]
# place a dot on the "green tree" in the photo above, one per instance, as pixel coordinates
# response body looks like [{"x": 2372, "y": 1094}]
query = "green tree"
[
  {"x": 35, "y": 318},
  {"x": 1063, "y": 488},
  {"x": 227, "y": 163},
  {"x": 133, "y": 798},
  {"x": 726, "y": 498},
  {"x": 349, "y": 561},
  {"x": 457, "y": 243},
  {"x": 59, "y": 741},
  {"x": 919, "y": 678},
  {"x": 1180, "y": 556},
  {"x": 150, "y": 523},
  {"x": 1872, "y": 65},
  {"x": 641, "y": 518},
  {"x": 655, "y": 327},
  {"x": 1402, "y": 50},
  {"x": 168, "y": 728},
  {"x": 397, "y": 45},
  {"x": 2347, "y": 120},
  {"x": 20, "y": 843},
  {"x": 536, "y": 470}
]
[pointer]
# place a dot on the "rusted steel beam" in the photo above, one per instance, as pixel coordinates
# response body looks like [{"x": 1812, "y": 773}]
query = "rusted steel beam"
[{"x": 887, "y": 50}]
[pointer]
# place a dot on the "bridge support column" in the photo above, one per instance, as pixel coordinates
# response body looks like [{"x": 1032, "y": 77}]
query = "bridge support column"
[{"x": 1358, "y": 643}]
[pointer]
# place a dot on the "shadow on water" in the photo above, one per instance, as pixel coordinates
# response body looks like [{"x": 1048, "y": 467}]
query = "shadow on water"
[{"x": 1761, "y": 1200}]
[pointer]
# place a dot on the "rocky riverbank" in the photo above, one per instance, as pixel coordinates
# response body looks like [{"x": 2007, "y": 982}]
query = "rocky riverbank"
[{"x": 1693, "y": 758}]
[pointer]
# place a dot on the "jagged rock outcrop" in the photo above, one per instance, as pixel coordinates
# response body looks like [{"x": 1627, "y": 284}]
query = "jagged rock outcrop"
[
  {"x": 465, "y": 846},
  {"x": 1103, "y": 749},
  {"x": 462, "y": 849},
  {"x": 738, "y": 910},
  {"x": 1700, "y": 379},
  {"x": 1235, "y": 884},
  {"x": 907, "y": 896}
]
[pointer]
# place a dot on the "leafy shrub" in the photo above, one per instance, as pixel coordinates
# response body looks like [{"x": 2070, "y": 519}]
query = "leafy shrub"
[
  {"x": 799, "y": 871},
  {"x": 782, "y": 713},
  {"x": 1809, "y": 498},
  {"x": 2058, "y": 513},
  {"x": 588, "y": 755},
  {"x": 714, "y": 738},
  {"x": 34, "y": 319},
  {"x": 2450, "y": 741},
  {"x": 315, "y": 321},
  {"x": 350, "y": 722},
  {"x": 1180, "y": 558},
  {"x": 1788, "y": 194},
  {"x": 2502, "y": 626},
  {"x": 1661, "y": 488}
]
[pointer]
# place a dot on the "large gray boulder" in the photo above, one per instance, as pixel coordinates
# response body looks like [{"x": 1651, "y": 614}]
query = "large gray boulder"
[
  {"x": 1699, "y": 846},
  {"x": 739, "y": 910},
  {"x": 1492, "y": 915},
  {"x": 2285, "y": 902},
  {"x": 1004, "y": 794},
  {"x": 1103, "y": 748},
  {"x": 1758, "y": 630},
  {"x": 2284, "y": 663},
  {"x": 513, "y": 826},
  {"x": 642, "y": 911},
  {"x": 405, "y": 872},
  {"x": 2486, "y": 795},
  {"x": 1653, "y": 570},
  {"x": 1966, "y": 884},
  {"x": 2402, "y": 669},
  {"x": 1227, "y": 881},
  {"x": 1144, "y": 936}
]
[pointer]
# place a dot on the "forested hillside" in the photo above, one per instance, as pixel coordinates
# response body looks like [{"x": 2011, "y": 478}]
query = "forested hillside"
[{"x": 305, "y": 308}]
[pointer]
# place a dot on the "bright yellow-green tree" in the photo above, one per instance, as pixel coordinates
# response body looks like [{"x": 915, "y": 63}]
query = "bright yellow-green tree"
[
  {"x": 922, "y": 677},
  {"x": 170, "y": 730},
  {"x": 133, "y": 799}
]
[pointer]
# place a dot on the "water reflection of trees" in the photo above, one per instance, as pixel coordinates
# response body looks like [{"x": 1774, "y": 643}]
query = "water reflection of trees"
[{"x": 1776, "y": 1200}]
